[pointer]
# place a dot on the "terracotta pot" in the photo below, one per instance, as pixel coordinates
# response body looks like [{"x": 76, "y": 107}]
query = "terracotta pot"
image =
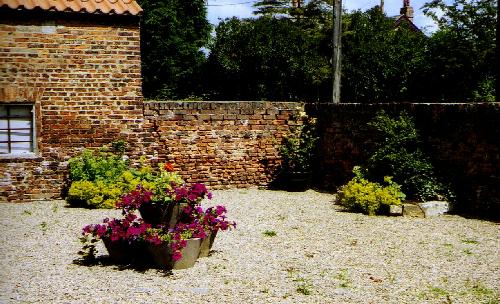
[
  {"x": 207, "y": 243},
  {"x": 125, "y": 252},
  {"x": 167, "y": 215},
  {"x": 162, "y": 255}
]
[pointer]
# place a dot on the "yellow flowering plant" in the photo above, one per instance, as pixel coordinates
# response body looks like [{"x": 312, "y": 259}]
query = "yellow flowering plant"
[{"x": 359, "y": 194}]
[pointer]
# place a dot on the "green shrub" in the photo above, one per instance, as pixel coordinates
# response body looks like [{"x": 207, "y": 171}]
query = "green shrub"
[
  {"x": 98, "y": 165},
  {"x": 368, "y": 197},
  {"x": 298, "y": 147},
  {"x": 398, "y": 154},
  {"x": 99, "y": 179}
]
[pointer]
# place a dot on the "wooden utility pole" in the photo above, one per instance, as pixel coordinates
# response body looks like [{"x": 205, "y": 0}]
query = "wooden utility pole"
[{"x": 336, "y": 59}]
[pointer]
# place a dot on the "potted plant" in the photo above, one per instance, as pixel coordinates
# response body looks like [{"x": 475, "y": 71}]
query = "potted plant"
[
  {"x": 170, "y": 236},
  {"x": 161, "y": 202},
  {"x": 297, "y": 150},
  {"x": 214, "y": 219},
  {"x": 176, "y": 248},
  {"x": 123, "y": 238}
]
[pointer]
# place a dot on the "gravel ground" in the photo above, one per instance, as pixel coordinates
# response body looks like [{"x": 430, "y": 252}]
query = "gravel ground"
[{"x": 318, "y": 255}]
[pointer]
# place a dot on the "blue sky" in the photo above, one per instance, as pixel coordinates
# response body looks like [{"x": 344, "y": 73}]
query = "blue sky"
[{"x": 219, "y": 9}]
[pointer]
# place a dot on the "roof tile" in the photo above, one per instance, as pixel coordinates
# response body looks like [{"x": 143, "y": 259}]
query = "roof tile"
[{"x": 107, "y": 7}]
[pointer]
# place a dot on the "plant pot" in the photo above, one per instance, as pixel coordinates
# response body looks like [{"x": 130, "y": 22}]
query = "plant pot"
[
  {"x": 298, "y": 180},
  {"x": 167, "y": 215},
  {"x": 162, "y": 255},
  {"x": 207, "y": 243},
  {"x": 125, "y": 252}
]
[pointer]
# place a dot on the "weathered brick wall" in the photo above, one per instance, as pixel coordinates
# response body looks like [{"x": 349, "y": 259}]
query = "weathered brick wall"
[
  {"x": 82, "y": 73},
  {"x": 223, "y": 144},
  {"x": 463, "y": 141}
]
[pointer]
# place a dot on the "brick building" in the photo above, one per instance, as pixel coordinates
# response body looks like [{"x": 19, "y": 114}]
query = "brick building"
[{"x": 70, "y": 76}]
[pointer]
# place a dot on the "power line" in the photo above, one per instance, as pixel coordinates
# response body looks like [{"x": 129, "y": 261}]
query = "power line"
[{"x": 230, "y": 4}]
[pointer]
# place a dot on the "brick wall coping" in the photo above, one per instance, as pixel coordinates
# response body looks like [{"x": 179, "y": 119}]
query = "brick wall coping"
[{"x": 207, "y": 105}]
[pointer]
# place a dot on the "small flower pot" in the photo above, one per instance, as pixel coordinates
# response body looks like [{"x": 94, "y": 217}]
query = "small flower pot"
[
  {"x": 167, "y": 215},
  {"x": 162, "y": 255},
  {"x": 125, "y": 252},
  {"x": 206, "y": 244},
  {"x": 297, "y": 181}
]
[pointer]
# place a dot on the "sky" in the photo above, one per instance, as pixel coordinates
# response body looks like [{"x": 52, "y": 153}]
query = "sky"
[{"x": 221, "y": 9}]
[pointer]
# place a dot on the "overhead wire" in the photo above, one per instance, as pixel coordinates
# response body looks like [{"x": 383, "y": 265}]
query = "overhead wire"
[{"x": 230, "y": 4}]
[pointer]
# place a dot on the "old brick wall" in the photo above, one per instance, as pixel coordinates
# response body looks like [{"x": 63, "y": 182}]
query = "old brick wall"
[
  {"x": 222, "y": 144},
  {"x": 462, "y": 140},
  {"x": 82, "y": 73}
]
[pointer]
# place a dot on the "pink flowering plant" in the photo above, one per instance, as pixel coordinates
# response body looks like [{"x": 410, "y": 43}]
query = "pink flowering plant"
[
  {"x": 175, "y": 238},
  {"x": 130, "y": 229},
  {"x": 212, "y": 219},
  {"x": 173, "y": 194},
  {"x": 215, "y": 219},
  {"x": 134, "y": 199}
]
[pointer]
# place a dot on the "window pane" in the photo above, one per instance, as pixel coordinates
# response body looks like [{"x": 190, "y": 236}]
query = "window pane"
[
  {"x": 24, "y": 147},
  {"x": 20, "y": 123},
  {"x": 24, "y": 111},
  {"x": 16, "y": 129},
  {"x": 4, "y": 135},
  {"x": 4, "y": 148},
  {"x": 20, "y": 135}
]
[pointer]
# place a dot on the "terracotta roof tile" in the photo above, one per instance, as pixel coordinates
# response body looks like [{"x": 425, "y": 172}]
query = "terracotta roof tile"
[{"x": 107, "y": 7}]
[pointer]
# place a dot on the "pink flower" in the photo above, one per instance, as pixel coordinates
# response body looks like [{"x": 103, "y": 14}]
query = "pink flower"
[{"x": 176, "y": 255}]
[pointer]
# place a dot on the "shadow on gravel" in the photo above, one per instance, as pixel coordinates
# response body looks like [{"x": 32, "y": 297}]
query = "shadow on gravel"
[{"x": 105, "y": 261}]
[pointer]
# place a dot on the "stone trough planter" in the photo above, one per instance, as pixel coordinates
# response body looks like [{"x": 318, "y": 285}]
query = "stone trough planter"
[{"x": 162, "y": 255}]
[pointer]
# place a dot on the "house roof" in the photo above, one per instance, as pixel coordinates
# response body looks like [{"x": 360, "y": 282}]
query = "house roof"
[
  {"x": 106, "y": 7},
  {"x": 402, "y": 19}
]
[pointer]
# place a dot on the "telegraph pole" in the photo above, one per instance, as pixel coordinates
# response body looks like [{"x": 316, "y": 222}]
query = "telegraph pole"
[{"x": 337, "y": 31}]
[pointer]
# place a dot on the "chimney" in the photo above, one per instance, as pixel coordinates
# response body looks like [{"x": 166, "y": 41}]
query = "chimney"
[
  {"x": 296, "y": 3},
  {"x": 407, "y": 10}
]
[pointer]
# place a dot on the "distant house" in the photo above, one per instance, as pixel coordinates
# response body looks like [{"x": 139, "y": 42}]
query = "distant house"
[
  {"x": 406, "y": 17},
  {"x": 70, "y": 76}
]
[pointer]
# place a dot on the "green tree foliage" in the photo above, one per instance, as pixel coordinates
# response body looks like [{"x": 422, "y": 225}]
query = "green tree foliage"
[
  {"x": 271, "y": 7},
  {"x": 285, "y": 54},
  {"x": 462, "y": 59},
  {"x": 265, "y": 58},
  {"x": 287, "y": 57},
  {"x": 380, "y": 61},
  {"x": 172, "y": 35},
  {"x": 398, "y": 154}
]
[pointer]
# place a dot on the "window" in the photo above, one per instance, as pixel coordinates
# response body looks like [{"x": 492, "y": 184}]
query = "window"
[{"x": 16, "y": 129}]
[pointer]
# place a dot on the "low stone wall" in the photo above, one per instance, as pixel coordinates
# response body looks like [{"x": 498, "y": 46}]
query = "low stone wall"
[
  {"x": 462, "y": 140},
  {"x": 222, "y": 144}
]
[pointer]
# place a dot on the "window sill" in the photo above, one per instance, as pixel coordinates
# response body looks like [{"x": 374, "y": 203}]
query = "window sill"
[{"x": 19, "y": 156}]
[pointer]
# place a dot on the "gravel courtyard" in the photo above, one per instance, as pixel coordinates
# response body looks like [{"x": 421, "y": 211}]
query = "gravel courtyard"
[{"x": 287, "y": 248}]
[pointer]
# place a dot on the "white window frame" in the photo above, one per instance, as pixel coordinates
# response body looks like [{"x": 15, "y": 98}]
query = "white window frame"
[{"x": 33, "y": 145}]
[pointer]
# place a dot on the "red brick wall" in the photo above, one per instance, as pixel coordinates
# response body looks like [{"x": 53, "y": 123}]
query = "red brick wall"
[
  {"x": 83, "y": 75},
  {"x": 223, "y": 144},
  {"x": 462, "y": 140}
]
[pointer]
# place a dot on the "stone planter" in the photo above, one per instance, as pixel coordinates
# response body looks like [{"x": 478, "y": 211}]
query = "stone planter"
[
  {"x": 162, "y": 255},
  {"x": 207, "y": 243},
  {"x": 125, "y": 252},
  {"x": 167, "y": 215}
]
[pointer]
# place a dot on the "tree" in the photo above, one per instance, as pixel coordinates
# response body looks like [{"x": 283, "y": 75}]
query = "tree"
[
  {"x": 462, "y": 53},
  {"x": 380, "y": 61},
  {"x": 264, "y": 58},
  {"x": 173, "y": 33}
]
